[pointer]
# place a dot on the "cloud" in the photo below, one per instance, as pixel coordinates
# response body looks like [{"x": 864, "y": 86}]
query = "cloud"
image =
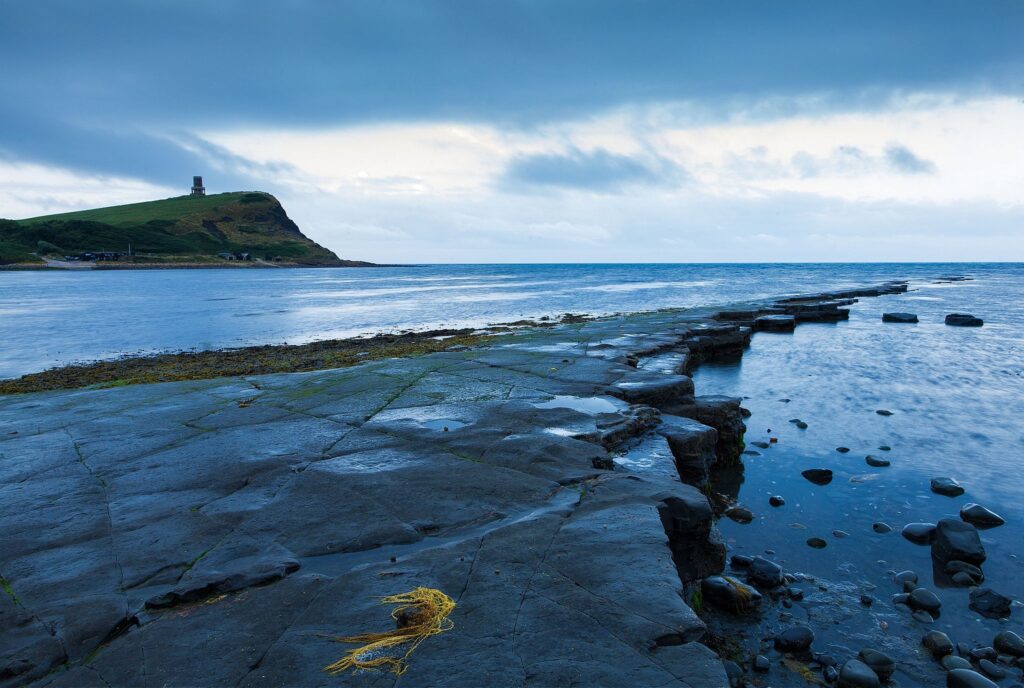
[
  {"x": 598, "y": 170},
  {"x": 902, "y": 159}
]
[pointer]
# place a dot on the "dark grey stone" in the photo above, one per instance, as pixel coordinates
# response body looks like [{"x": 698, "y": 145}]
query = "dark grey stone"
[
  {"x": 765, "y": 573},
  {"x": 1009, "y": 643},
  {"x": 950, "y": 662},
  {"x": 818, "y": 476},
  {"x": 963, "y": 320},
  {"x": 919, "y": 533},
  {"x": 797, "y": 639},
  {"x": 899, "y": 317},
  {"x": 924, "y": 599},
  {"x": 730, "y": 594},
  {"x": 957, "y": 540},
  {"x": 990, "y": 603},
  {"x": 966, "y": 678},
  {"x": 880, "y": 663},
  {"x": 947, "y": 487},
  {"x": 877, "y": 462},
  {"x": 857, "y": 674},
  {"x": 979, "y": 516},
  {"x": 938, "y": 643}
]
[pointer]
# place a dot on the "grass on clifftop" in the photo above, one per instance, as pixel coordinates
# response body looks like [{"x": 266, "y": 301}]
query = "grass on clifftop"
[
  {"x": 182, "y": 229},
  {"x": 252, "y": 360}
]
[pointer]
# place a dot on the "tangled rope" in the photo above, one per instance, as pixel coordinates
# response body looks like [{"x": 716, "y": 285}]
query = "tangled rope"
[{"x": 423, "y": 612}]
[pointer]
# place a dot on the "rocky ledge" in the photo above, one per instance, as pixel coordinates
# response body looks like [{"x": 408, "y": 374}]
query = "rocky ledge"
[{"x": 228, "y": 531}]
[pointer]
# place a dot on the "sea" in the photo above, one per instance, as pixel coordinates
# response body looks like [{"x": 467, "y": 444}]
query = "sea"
[{"x": 53, "y": 318}]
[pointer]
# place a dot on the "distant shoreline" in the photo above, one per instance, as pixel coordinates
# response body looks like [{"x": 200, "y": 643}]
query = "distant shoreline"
[{"x": 237, "y": 265}]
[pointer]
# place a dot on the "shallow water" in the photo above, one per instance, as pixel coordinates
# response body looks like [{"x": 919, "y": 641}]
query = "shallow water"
[
  {"x": 957, "y": 397},
  {"x": 54, "y": 318}
]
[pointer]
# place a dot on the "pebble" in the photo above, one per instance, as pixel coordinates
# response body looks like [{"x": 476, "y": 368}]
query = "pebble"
[
  {"x": 816, "y": 543},
  {"x": 947, "y": 487},
  {"x": 938, "y": 643},
  {"x": 795, "y": 639},
  {"x": 880, "y": 663},
  {"x": 741, "y": 561},
  {"x": 921, "y": 616},
  {"x": 962, "y": 568},
  {"x": 966, "y": 678},
  {"x": 985, "y": 652},
  {"x": 857, "y": 674},
  {"x": 842, "y": 450},
  {"x": 979, "y": 516},
  {"x": 1009, "y": 643},
  {"x": 904, "y": 576},
  {"x": 740, "y": 514},
  {"x": 776, "y": 500},
  {"x": 992, "y": 670},
  {"x": 923, "y": 598},
  {"x": 919, "y": 533},
  {"x": 881, "y": 528},
  {"x": 950, "y": 662},
  {"x": 876, "y": 462},
  {"x": 818, "y": 476},
  {"x": 884, "y": 412},
  {"x": 765, "y": 573}
]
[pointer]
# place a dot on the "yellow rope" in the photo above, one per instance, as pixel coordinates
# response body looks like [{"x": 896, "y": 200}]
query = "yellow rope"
[{"x": 423, "y": 612}]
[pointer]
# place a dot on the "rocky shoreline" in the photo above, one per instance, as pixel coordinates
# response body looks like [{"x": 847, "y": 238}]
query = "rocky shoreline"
[{"x": 227, "y": 531}]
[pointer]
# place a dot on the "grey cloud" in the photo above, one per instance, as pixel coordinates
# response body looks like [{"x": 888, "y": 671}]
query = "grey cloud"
[
  {"x": 902, "y": 159},
  {"x": 598, "y": 170}
]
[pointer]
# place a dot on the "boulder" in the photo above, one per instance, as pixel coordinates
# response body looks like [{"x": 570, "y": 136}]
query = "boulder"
[
  {"x": 876, "y": 462},
  {"x": 899, "y": 317},
  {"x": 963, "y": 320},
  {"x": 947, "y": 487},
  {"x": 956, "y": 540},
  {"x": 924, "y": 599}
]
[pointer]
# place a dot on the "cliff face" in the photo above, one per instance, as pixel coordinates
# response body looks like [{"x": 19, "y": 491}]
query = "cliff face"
[{"x": 183, "y": 229}]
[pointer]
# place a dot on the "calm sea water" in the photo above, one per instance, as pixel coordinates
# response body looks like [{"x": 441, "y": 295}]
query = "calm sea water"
[
  {"x": 54, "y": 318},
  {"x": 957, "y": 397}
]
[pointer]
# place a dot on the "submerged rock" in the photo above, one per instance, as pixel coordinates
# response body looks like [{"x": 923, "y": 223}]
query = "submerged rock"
[
  {"x": 990, "y": 603},
  {"x": 876, "y": 462},
  {"x": 956, "y": 540},
  {"x": 947, "y": 487},
  {"x": 776, "y": 500},
  {"x": 899, "y": 317},
  {"x": 816, "y": 543},
  {"x": 884, "y": 412},
  {"x": 881, "y": 528},
  {"x": 979, "y": 516},
  {"x": 950, "y": 662},
  {"x": 818, "y": 476},
  {"x": 919, "y": 533},
  {"x": 964, "y": 320},
  {"x": 857, "y": 674},
  {"x": 842, "y": 450}
]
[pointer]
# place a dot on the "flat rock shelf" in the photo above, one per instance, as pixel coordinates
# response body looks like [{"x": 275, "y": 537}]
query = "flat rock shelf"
[{"x": 227, "y": 532}]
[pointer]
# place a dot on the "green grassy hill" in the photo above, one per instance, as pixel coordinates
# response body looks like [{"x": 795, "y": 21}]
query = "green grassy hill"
[{"x": 175, "y": 230}]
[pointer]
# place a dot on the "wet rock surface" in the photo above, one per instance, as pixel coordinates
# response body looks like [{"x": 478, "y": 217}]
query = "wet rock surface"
[
  {"x": 964, "y": 320},
  {"x": 559, "y": 482}
]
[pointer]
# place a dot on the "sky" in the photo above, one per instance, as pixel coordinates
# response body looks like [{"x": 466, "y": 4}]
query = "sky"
[{"x": 477, "y": 131}]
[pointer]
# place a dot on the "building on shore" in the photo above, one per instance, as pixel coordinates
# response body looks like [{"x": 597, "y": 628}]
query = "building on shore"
[{"x": 197, "y": 187}]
